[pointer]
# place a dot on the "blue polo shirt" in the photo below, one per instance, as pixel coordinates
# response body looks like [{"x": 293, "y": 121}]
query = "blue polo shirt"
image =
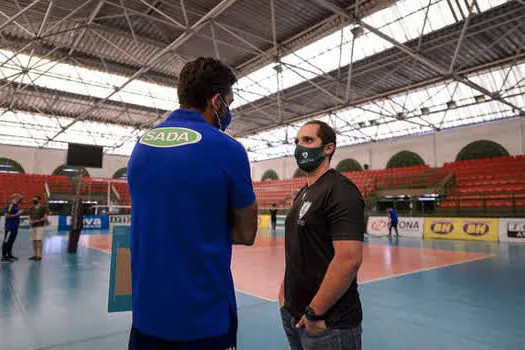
[
  {"x": 185, "y": 178},
  {"x": 393, "y": 215},
  {"x": 12, "y": 223}
]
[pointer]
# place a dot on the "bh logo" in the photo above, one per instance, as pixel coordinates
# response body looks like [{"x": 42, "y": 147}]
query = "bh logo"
[
  {"x": 442, "y": 228},
  {"x": 476, "y": 228}
]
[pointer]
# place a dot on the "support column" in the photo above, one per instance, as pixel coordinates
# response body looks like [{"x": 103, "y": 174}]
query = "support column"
[
  {"x": 434, "y": 146},
  {"x": 522, "y": 133}
]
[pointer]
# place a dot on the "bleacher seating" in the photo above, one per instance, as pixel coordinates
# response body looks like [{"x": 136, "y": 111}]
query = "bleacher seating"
[
  {"x": 122, "y": 189},
  {"x": 488, "y": 183},
  {"x": 26, "y": 184},
  {"x": 282, "y": 192}
]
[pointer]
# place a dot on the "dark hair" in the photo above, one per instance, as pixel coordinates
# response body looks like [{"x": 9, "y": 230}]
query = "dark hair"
[
  {"x": 202, "y": 78},
  {"x": 326, "y": 133},
  {"x": 38, "y": 197}
]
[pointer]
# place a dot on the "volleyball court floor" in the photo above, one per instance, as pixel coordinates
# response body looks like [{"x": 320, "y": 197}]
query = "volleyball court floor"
[{"x": 416, "y": 294}]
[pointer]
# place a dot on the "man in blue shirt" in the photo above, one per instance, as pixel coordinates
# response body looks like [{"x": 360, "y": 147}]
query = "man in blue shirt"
[
  {"x": 12, "y": 223},
  {"x": 191, "y": 198},
  {"x": 393, "y": 221}
]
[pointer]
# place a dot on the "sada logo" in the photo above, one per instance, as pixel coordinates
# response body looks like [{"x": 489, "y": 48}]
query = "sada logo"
[
  {"x": 442, "y": 227},
  {"x": 476, "y": 228},
  {"x": 170, "y": 137}
]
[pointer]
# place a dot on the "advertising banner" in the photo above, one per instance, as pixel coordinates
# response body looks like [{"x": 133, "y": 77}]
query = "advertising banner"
[
  {"x": 119, "y": 220},
  {"x": 407, "y": 226},
  {"x": 476, "y": 229},
  {"x": 93, "y": 222},
  {"x": 264, "y": 221},
  {"x": 119, "y": 296},
  {"x": 512, "y": 230},
  {"x": 24, "y": 222}
]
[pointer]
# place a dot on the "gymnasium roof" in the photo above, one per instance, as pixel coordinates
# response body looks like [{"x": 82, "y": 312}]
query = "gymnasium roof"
[{"x": 103, "y": 71}]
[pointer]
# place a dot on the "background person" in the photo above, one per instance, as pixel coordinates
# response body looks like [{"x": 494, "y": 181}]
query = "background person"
[
  {"x": 37, "y": 220},
  {"x": 273, "y": 217},
  {"x": 393, "y": 221},
  {"x": 12, "y": 224}
]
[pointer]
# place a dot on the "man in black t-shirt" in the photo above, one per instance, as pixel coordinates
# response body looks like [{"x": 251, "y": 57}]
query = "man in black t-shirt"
[{"x": 324, "y": 230}]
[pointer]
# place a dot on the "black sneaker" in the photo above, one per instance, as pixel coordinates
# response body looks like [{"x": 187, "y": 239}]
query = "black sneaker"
[
  {"x": 13, "y": 257},
  {"x": 32, "y": 258},
  {"x": 6, "y": 260}
]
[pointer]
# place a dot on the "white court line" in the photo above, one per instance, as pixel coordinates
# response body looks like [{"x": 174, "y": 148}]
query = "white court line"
[
  {"x": 390, "y": 277},
  {"x": 255, "y": 296},
  {"x": 427, "y": 269}
]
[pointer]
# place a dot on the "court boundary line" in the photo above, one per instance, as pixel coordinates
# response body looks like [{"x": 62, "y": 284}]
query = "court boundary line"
[
  {"x": 393, "y": 276},
  {"x": 255, "y": 296},
  {"x": 428, "y": 269}
]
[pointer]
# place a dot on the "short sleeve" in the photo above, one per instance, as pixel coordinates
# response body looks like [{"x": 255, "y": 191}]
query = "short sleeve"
[
  {"x": 346, "y": 212},
  {"x": 241, "y": 192},
  {"x": 10, "y": 209}
]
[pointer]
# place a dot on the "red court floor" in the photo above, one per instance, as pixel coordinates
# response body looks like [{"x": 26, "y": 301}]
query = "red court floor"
[{"x": 258, "y": 270}]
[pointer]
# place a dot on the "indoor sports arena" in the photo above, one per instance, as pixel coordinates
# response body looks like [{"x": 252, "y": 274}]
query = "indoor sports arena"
[{"x": 415, "y": 238}]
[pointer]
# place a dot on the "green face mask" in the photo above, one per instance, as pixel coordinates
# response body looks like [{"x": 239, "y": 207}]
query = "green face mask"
[{"x": 309, "y": 159}]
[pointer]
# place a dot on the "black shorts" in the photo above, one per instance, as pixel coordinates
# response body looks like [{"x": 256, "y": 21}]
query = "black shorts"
[{"x": 227, "y": 341}]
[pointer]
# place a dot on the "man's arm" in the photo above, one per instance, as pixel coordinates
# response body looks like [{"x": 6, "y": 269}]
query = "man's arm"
[
  {"x": 242, "y": 200},
  {"x": 245, "y": 225},
  {"x": 340, "y": 274},
  {"x": 9, "y": 212},
  {"x": 44, "y": 218}
]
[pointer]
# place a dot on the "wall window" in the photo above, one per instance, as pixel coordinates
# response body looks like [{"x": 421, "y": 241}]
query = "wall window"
[
  {"x": 10, "y": 166},
  {"x": 482, "y": 149},
  {"x": 71, "y": 171},
  {"x": 403, "y": 159},
  {"x": 348, "y": 165}
]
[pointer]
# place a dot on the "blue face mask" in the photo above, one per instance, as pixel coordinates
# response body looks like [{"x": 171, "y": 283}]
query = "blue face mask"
[{"x": 225, "y": 121}]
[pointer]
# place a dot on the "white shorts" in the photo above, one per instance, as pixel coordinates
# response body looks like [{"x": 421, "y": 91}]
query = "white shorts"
[{"x": 37, "y": 233}]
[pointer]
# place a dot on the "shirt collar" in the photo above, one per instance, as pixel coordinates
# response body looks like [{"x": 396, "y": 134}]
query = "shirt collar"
[{"x": 186, "y": 114}]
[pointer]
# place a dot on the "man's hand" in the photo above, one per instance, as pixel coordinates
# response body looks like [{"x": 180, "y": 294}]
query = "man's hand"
[{"x": 312, "y": 327}]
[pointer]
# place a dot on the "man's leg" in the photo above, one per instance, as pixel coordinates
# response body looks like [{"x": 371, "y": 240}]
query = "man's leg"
[
  {"x": 333, "y": 339},
  {"x": 291, "y": 332},
  {"x": 7, "y": 236},
  {"x": 10, "y": 243},
  {"x": 389, "y": 229},
  {"x": 397, "y": 232},
  {"x": 38, "y": 240},
  {"x": 39, "y": 249},
  {"x": 33, "y": 241}
]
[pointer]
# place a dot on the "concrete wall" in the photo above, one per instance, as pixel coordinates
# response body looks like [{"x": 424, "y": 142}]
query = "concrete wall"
[{"x": 45, "y": 161}]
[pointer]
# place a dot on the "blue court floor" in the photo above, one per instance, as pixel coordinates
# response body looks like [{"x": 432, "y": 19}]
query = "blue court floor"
[{"x": 61, "y": 303}]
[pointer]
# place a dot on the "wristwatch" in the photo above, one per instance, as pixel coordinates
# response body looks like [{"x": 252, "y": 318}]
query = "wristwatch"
[{"x": 311, "y": 315}]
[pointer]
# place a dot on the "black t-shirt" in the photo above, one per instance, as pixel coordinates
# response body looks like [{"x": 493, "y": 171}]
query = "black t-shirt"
[
  {"x": 273, "y": 214},
  {"x": 331, "y": 209}
]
